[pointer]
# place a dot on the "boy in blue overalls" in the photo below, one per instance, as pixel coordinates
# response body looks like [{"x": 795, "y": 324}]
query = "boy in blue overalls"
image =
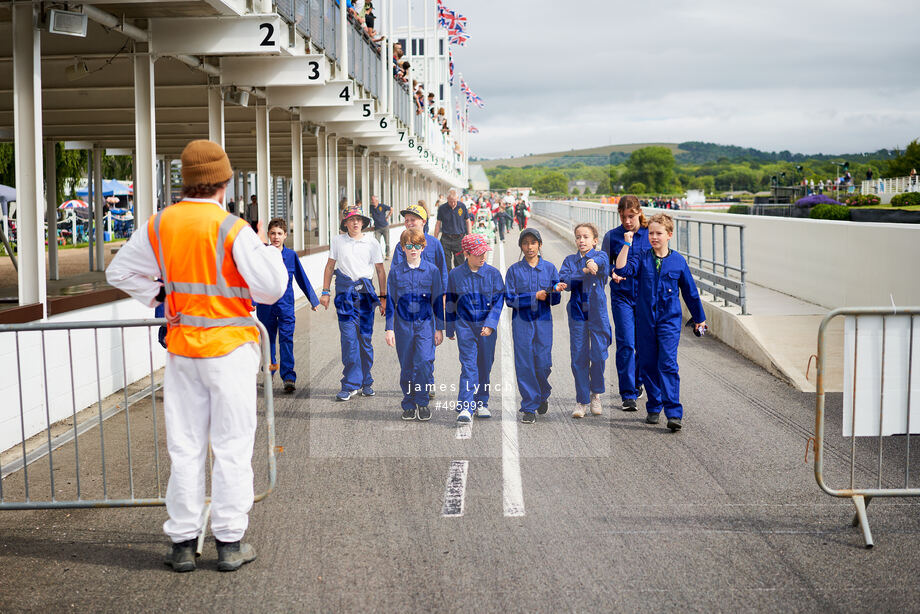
[
  {"x": 475, "y": 297},
  {"x": 623, "y": 299},
  {"x": 661, "y": 275},
  {"x": 414, "y": 322},
  {"x": 585, "y": 274},
  {"x": 279, "y": 318},
  {"x": 529, "y": 293}
]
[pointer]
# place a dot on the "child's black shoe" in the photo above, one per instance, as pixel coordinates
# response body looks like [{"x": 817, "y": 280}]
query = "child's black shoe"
[
  {"x": 630, "y": 405},
  {"x": 674, "y": 424},
  {"x": 289, "y": 385},
  {"x": 529, "y": 417},
  {"x": 652, "y": 417}
]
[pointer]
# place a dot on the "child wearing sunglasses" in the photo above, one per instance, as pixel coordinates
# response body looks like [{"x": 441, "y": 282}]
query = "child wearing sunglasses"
[{"x": 414, "y": 322}]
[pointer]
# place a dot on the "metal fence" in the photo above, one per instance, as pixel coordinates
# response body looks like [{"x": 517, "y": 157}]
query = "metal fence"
[
  {"x": 879, "y": 348},
  {"x": 717, "y": 266},
  {"x": 78, "y": 463}
]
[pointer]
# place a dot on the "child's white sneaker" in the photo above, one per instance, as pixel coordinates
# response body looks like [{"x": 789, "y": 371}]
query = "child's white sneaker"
[
  {"x": 483, "y": 412},
  {"x": 596, "y": 408},
  {"x": 580, "y": 410}
]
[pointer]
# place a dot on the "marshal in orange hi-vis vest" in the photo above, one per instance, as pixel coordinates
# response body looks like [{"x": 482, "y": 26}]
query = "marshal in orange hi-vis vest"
[{"x": 193, "y": 243}]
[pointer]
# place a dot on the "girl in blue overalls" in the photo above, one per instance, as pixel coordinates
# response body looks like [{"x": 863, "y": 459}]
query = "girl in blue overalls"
[
  {"x": 529, "y": 292},
  {"x": 623, "y": 299},
  {"x": 414, "y": 322},
  {"x": 475, "y": 297},
  {"x": 661, "y": 274},
  {"x": 585, "y": 274}
]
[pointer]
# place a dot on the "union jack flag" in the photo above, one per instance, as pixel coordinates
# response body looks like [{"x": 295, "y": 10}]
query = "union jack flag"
[
  {"x": 452, "y": 21},
  {"x": 450, "y": 65},
  {"x": 474, "y": 129},
  {"x": 456, "y": 37}
]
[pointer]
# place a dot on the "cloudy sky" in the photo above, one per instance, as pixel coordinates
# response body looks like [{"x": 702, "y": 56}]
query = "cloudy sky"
[{"x": 807, "y": 75}]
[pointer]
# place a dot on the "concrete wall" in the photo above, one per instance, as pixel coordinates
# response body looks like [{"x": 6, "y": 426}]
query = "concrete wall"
[{"x": 832, "y": 264}]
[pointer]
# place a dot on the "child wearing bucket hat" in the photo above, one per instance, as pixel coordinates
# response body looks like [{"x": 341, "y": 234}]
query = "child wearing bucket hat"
[
  {"x": 530, "y": 293},
  {"x": 354, "y": 258},
  {"x": 475, "y": 297}
]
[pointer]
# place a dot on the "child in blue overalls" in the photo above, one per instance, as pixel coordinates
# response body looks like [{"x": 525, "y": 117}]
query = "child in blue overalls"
[
  {"x": 661, "y": 274},
  {"x": 585, "y": 274},
  {"x": 278, "y": 318},
  {"x": 354, "y": 259},
  {"x": 414, "y": 322},
  {"x": 475, "y": 297},
  {"x": 529, "y": 292},
  {"x": 623, "y": 299}
]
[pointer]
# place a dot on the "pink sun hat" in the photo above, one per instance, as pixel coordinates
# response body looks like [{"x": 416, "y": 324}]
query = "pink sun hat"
[{"x": 475, "y": 244}]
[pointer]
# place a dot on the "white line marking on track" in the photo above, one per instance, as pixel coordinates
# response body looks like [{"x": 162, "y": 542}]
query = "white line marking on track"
[
  {"x": 455, "y": 490},
  {"x": 512, "y": 488},
  {"x": 464, "y": 431}
]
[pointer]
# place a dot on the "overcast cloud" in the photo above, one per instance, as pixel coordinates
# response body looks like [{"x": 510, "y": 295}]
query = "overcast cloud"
[{"x": 807, "y": 76}]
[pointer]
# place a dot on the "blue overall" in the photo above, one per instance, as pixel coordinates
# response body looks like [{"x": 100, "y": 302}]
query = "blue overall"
[
  {"x": 658, "y": 323},
  {"x": 354, "y": 304},
  {"x": 433, "y": 253},
  {"x": 532, "y": 328},
  {"x": 589, "y": 324},
  {"x": 278, "y": 318},
  {"x": 474, "y": 300},
  {"x": 415, "y": 305},
  {"x": 623, "y": 308}
]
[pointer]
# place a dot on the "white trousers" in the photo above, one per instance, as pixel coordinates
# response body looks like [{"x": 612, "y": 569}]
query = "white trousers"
[{"x": 210, "y": 399}]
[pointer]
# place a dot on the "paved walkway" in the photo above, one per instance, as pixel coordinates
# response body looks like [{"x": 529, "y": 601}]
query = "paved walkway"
[{"x": 600, "y": 514}]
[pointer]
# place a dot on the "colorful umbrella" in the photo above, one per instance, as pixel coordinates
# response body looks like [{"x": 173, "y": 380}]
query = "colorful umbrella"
[{"x": 73, "y": 204}]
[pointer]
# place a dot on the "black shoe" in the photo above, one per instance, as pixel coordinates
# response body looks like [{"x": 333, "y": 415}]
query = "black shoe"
[
  {"x": 529, "y": 417},
  {"x": 424, "y": 413},
  {"x": 640, "y": 392},
  {"x": 233, "y": 555},
  {"x": 543, "y": 407},
  {"x": 431, "y": 394},
  {"x": 408, "y": 414},
  {"x": 652, "y": 417},
  {"x": 630, "y": 405},
  {"x": 674, "y": 424},
  {"x": 182, "y": 556},
  {"x": 289, "y": 385}
]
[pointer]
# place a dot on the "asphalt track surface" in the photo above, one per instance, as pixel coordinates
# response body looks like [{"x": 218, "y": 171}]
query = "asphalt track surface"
[{"x": 601, "y": 514}]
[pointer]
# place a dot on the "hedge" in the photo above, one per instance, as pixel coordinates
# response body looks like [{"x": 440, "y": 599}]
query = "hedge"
[
  {"x": 742, "y": 209},
  {"x": 863, "y": 200},
  {"x": 906, "y": 199},
  {"x": 829, "y": 212}
]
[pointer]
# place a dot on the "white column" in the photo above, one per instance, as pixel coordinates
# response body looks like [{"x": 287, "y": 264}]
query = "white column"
[
  {"x": 27, "y": 139},
  {"x": 263, "y": 170},
  {"x": 404, "y": 193},
  {"x": 387, "y": 59},
  {"x": 333, "y": 150},
  {"x": 375, "y": 184},
  {"x": 389, "y": 80},
  {"x": 365, "y": 181},
  {"x": 98, "y": 205},
  {"x": 297, "y": 182},
  {"x": 215, "y": 114},
  {"x": 350, "y": 191},
  {"x": 145, "y": 138},
  {"x": 342, "y": 43},
  {"x": 322, "y": 187},
  {"x": 51, "y": 208},
  {"x": 244, "y": 208}
]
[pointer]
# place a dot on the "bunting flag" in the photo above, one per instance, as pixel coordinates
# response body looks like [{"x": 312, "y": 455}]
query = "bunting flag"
[
  {"x": 474, "y": 129},
  {"x": 456, "y": 37},
  {"x": 450, "y": 65},
  {"x": 452, "y": 21},
  {"x": 470, "y": 95}
]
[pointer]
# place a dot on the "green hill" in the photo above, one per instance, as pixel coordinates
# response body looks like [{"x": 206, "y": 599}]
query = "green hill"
[{"x": 591, "y": 156}]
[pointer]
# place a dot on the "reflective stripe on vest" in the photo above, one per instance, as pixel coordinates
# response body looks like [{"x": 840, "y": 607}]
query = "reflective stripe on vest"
[
  {"x": 221, "y": 288},
  {"x": 203, "y": 322}
]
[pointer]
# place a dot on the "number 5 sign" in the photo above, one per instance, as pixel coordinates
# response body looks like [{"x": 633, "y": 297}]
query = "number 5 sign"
[{"x": 249, "y": 34}]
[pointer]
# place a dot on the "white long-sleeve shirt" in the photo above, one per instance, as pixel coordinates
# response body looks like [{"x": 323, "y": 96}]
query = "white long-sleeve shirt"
[{"x": 135, "y": 268}]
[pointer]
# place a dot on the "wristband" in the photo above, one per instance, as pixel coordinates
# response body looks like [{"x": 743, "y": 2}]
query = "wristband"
[
  {"x": 325, "y": 293},
  {"x": 381, "y": 296},
  {"x": 627, "y": 244}
]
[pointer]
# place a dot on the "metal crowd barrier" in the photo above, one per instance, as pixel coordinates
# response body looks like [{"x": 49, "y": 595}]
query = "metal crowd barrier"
[
  {"x": 878, "y": 368},
  {"x": 56, "y": 435},
  {"x": 722, "y": 280}
]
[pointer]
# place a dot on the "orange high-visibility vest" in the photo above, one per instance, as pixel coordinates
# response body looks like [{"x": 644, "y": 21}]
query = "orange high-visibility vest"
[{"x": 193, "y": 243}]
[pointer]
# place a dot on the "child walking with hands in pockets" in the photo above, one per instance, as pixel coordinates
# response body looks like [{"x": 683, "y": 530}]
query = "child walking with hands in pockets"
[
  {"x": 660, "y": 275},
  {"x": 475, "y": 297},
  {"x": 585, "y": 274},
  {"x": 529, "y": 292},
  {"x": 414, "y": 322}
]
